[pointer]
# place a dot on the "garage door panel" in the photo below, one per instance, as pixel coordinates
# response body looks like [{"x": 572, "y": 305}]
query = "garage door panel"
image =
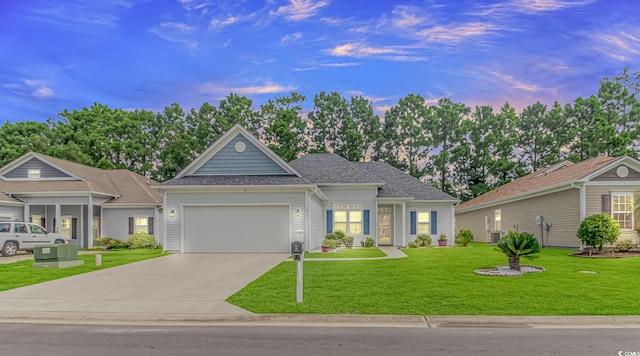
[{"x": 236, "y": 229}]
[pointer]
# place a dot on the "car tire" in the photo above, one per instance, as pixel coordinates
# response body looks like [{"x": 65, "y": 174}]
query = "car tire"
[
  {"x": 9, "y": 249},
  {"x": 58, "y": 242}
]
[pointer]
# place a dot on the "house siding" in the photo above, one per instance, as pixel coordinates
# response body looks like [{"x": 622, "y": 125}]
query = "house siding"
[
  {"x": 315, "y": 223},
  {"x": 594, "y": 203},
  {"x": 16, "y": 212},
  {"x": 444, "y": 223},
  {"x": 349, "y": 196},
  {"x": 611, "y": 175},
  {"x": 115, "y": 221},
  {"x": 46, "y": 171},
  {"x": 250, "y": 162},
  {"x": 562, "y": 209},
  {"x": 175, "y": 201}
]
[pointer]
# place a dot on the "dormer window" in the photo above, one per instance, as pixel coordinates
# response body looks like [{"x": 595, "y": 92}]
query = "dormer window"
[{"x": 33, "y": 173}]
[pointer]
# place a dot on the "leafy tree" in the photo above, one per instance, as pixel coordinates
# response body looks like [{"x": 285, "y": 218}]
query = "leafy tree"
[
  {"x": 369, "y": 127},
  {"x": 517, "y": 244},
  {"x": 540, "y": 139},
  {"x": 18, "y": 138},
  {"x": 598, "y": 230},
  {"x": 235, "y": 109},
  {"x": 448, "y": 133},
  {"x": 406, "y": 135},
  {"x": 283, "y": 127},
  {"x": 593, "y": 130}
]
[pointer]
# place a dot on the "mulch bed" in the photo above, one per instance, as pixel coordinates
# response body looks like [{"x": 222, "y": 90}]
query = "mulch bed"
[{"x": 606, "y": 254}]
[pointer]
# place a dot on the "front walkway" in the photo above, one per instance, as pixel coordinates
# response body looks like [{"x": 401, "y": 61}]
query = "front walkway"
[{"x": 390, "y": 251}]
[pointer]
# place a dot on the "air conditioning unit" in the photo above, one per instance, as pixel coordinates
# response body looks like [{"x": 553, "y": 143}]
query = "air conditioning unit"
[{"x": 495, "y": 237}]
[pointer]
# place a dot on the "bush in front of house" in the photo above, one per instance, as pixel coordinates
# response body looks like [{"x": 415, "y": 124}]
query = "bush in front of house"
[
  {"x": 330, "y": 243},
  {"x": 369, "y": 242},
  {"x": 423, "y": 240},
  {"x": 337, "y": 236},
  {"x": 141, "y": 240},
  {"x": 348, "y": 241},
  {"x": 415, "y": 244},
  {"x": 464, "y": 237},
  {"x": 598, "y": 230},
  {"x": 625, "y": 245},
  {"x": 111, "y": 244},
  {"x": 516, "y": 244}
]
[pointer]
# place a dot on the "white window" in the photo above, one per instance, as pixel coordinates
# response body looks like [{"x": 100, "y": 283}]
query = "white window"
[
  {"x": 36, "y": 219},
  {"x": 348, "y": 221},
  {"x": 497, "y": 220},
  {"x": 141, "y": 225},
  {"x": 622, "y": 209},
  {"x": 65, "y": 226},
  {"x": 96, "y": 227},
  {"x": 33, "y": 173},
  {"x": 423, "y": 223}
]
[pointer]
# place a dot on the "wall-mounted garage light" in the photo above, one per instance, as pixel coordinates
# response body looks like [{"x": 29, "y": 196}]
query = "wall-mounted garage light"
[
  {"x": 172, "y": 213},
  {"x": 297, "y": 212}
]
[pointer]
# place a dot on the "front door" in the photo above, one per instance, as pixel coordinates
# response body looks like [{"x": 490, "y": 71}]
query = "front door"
[{"x": 384, "y": 225}]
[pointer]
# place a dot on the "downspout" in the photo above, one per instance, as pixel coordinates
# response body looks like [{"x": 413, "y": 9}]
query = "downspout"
[{"x": 583, "y": 205}]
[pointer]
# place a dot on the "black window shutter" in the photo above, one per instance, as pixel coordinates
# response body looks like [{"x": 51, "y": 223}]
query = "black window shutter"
[
  {"x": 74, "y": 228},
  {"x": 150, "y": 226},
  {"x": 130, "y": 226},
  {"x": 606, "y": 203}
]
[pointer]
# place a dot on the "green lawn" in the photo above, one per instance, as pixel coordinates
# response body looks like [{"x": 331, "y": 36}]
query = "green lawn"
[
  {"x": 440, "y": 281},
  {"x": 348, "y": 253},
  {"x": 20, "y": 274}
]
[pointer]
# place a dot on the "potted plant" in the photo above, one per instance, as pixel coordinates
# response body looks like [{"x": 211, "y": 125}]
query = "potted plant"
[
  {"x": 326, "y": 245},
  {"x": 442, "y": 240}
]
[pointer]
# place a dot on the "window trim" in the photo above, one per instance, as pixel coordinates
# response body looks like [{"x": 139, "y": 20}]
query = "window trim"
[
  {"x": 497, "y": 219},
  {"x": 136, "y": 226},
  {"x": 427, "y": 223},
  {"x": 347, "y": 222},
  {"x": 34, "y": 173},
  {"x": 623, "y": 194}
]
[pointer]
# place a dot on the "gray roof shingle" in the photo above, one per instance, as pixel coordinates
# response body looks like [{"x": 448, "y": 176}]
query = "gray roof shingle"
[
  {"x": 398, "y": 181},
  {"x": 329, "y": 168}
]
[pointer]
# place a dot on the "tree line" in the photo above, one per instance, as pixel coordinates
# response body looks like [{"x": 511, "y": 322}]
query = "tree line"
[{"x": 463, "y": 151}]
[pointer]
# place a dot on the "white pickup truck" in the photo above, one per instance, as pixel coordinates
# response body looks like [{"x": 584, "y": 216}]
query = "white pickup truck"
[{"x": 21, "y": 236}]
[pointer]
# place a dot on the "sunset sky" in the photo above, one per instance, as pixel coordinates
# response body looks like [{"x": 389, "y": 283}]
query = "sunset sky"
[{"x": 148, "y": 54}]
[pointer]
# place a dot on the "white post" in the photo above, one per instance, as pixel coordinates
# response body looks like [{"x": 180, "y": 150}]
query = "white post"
[
  {"x": 98, "y": 260},
  {"x": 299, "y": 279}
]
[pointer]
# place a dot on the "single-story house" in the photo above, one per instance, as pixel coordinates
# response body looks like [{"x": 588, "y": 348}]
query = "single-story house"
[
  {"x": 552, "y": 202},
  {"x": 239, "y": 196},
  {"x": 79, "y": 201}
]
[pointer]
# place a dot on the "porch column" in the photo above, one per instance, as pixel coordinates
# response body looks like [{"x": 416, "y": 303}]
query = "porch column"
[
  {"x": 90, "y": 224},
  {"x": 26, "y": 213},
  {"x": 404, "y": 224},
  {"x": 56, "y": 226}
]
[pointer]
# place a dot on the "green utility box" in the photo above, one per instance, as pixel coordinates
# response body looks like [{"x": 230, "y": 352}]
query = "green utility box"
[{"x": 56, "y": 256}]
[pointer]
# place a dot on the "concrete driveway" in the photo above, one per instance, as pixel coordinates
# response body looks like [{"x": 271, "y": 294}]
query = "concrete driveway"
[{"x": 179, "y": 283}]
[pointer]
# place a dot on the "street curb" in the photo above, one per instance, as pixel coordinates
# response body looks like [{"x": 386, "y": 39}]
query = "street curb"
[{"x": 325, "y": 320}]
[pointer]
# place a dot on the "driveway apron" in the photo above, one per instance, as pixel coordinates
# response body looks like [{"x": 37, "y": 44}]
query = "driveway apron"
[{"x": 179, "y": 283}]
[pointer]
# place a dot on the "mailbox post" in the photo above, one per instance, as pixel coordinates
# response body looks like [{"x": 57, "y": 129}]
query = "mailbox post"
[{"x": 297, "y": 251}]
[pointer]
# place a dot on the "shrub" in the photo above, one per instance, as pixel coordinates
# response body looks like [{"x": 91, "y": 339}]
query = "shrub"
[
  {"x": 141, "y": 240},
  {"x": 424, "y": 240},
  {"x": 329, "y": 243},
  {"x": 369, "y": 242},
  {"x": 518, "y": 244},
  {"x": 598, "y": 230},
  {"x": 116, "y": 244},
  {"x": 103, "y": 241},
  {"x": 415, "y": 244},
  {"x": 464, "y": 237},
  {"x": 340, "y": 235},
  {"x": 348, "y": 241},
  {"x": 624, "y": 245}
]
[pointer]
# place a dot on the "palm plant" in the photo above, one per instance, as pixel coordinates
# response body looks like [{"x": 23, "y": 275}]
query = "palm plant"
[{"x": 517, "y": 244}]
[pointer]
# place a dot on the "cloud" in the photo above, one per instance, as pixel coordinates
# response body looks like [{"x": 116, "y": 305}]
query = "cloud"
[
  {"x": 175, "y": 32},
  {"x": 512, "y": 82},
  {"x": 532, "y": 6},
  {"x": 266, "y": 88},
  {"x": 360, "y": 50},
  {"x": 290, "y": 38},
  {"x": 298, "y": 10},
  {"x": 37, "y": 88},
  {"x": 456, "y": 33},
  {"x": 42, "y": 93},
  {"x": 78, "y": 15},
  {"x": 194, "y": 4},
  {"x": 620, "y": 45},
  {"x": 406, "y": 17},
  {"x": 222, "y": 22}
]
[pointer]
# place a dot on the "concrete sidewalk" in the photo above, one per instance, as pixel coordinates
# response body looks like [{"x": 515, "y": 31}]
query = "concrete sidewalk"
[
  {"x": 390, "y": 251},
  {"x": 320, "y": 320}
]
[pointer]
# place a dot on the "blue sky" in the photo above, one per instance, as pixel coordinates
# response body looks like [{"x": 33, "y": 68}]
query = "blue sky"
[{"x": 131, "y": 54}]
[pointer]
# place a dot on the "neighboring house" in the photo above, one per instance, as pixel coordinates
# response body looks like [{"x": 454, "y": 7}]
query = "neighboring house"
[
  {"x": 239, "y": 196},
  {"x": 551, "y": 202},
  {"x": 78, "y": 201}
]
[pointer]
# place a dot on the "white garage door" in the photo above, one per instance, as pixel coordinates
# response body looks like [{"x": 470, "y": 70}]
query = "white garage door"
[{"x": 236, "y": 229}]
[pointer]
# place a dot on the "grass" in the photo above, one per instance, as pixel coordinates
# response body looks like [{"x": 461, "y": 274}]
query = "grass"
[
  {"x": 20, "y": 274},
  {"x": 440, "y": 281},
  {"x": 348, "y": 253}
]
